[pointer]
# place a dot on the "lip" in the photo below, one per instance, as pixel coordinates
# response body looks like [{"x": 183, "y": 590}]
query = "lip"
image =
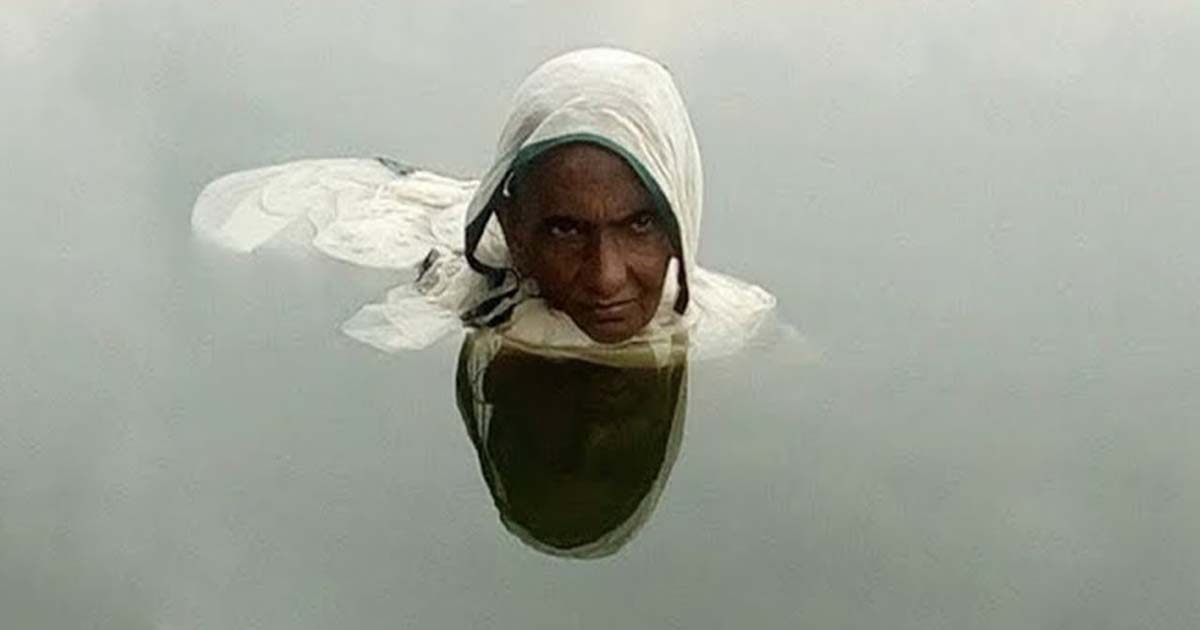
[{"x": 611, "y": 311}]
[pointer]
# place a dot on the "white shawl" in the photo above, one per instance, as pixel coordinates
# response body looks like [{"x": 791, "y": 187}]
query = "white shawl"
[{"x": 380, "y": 213}]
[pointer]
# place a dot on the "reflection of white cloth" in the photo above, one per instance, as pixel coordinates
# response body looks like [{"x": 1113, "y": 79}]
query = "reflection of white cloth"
[
  {"x": 377, "y": 213},
  {"x": 477, "y": 354}
]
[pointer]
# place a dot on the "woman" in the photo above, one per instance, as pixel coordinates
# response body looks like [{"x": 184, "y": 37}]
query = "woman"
[{"x": 582, "y": 233}]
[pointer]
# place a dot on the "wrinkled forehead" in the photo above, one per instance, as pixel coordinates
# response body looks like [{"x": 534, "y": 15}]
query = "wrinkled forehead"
[
  {"x": 574, "y": 165},
  {"x": 583, "y": 152}
]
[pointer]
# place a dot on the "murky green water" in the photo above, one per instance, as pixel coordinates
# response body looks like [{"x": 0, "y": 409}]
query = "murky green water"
[{"x": 983, "y": 222}]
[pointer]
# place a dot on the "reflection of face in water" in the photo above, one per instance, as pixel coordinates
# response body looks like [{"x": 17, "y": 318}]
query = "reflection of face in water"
[{"x": 574, "y": 452}]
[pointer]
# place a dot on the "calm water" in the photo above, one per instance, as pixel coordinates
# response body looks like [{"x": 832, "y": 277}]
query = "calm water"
[{"x": 984, "y": 222}]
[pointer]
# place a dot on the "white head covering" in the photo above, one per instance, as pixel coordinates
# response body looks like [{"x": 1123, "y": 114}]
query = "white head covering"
[
  {"x": 618, "y": 100},
  {"x": 379, "y": 213}
]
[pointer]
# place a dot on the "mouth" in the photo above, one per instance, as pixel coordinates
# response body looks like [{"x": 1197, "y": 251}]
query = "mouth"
[{"x": 613, "y": 311}]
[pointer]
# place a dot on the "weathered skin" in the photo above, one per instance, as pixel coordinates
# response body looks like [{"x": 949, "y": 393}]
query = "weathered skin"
[{"x": 583, "y": 226}]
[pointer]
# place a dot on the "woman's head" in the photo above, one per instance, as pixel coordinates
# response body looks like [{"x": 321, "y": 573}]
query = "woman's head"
[
  {"x": 580, "y": 222},
  {"x": 598, "y": 149}
]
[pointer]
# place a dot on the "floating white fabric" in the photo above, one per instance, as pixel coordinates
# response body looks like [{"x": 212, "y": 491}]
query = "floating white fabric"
[{"x": 379, "y": 214}]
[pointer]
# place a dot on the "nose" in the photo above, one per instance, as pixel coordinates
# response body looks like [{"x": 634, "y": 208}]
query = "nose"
[{"x": 605, "y": 272}]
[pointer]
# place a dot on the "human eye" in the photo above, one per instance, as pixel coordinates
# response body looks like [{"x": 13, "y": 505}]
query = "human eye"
[
  {"x": 558, "y": 227},
  {"x": 643, "y": 223}
]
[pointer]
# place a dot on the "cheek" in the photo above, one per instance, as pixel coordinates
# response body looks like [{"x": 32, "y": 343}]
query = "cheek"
[
  {"x": 649, "y": 267},
  {"x": 555, "y": 270}
]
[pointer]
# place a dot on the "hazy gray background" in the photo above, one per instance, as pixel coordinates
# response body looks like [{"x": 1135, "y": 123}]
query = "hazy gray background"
[{"x": 983, "y": 218}]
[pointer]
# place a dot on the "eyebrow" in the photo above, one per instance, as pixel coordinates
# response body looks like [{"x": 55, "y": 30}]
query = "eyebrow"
[{"x": 626, "y": 218}]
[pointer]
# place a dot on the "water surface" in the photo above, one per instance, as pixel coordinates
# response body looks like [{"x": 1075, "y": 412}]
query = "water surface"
[{"x": 982, "y": 220}]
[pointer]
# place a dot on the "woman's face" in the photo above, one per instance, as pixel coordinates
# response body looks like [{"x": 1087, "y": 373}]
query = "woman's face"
[{"x": 583, "y": 226}]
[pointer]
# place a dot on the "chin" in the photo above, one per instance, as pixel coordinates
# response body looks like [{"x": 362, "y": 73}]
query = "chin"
[
  {"x": 609, "y": 339},
  {"x": 611, "y": 333}
]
